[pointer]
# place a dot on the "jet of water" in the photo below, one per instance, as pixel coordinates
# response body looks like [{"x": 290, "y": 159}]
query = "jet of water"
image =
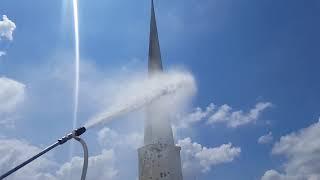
[
  {"x": 77, "y": 67},
  {"x": 144, "y": 92},
  {"x": 77, "y": 61}
]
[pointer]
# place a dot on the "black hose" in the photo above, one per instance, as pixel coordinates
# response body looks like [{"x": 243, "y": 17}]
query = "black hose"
[{"x": 85, "y": 157}]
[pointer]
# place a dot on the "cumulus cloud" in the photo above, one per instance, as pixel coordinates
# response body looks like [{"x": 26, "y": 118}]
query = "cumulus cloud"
[
  {"x": 2, "y": 53},
  {"x": 112, "y": 163},
  {"x": 275, "y": 175},
  {"x": 197, "y": 158},
  {"x": 196, "y": 116},
  {"x": 12, "y": 94},
  {"x": 15, "y": 151},
  {"x": 6, "y": 28},
  {"x": 266, "y": 139},
  {"x": 234, "y": 119},
  {"x": 101, "y": 167},
  {"x": 108, "y": 137},
  {"x": 222, "y": 114},
  {"x": 107, "y": 164},
  {"x": 302, "y": 151}
]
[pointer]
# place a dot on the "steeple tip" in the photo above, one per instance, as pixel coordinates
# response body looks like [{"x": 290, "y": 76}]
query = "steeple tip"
[{"x": 155, "y": 63}]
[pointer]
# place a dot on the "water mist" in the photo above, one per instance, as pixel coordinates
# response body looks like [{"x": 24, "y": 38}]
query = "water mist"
[{"x": 144, "y": 91}]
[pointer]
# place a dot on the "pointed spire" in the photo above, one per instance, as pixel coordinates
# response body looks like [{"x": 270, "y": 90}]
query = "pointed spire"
[
  {"x": 157, "y": 125},
  {"x": 155, "y": 64}
]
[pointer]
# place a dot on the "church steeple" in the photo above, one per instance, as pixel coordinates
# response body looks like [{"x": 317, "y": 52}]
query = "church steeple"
[
  {"x": 155, "y": 63},
  {"x": 157, "y": 124},
  {"x": 159, "y": 158}
]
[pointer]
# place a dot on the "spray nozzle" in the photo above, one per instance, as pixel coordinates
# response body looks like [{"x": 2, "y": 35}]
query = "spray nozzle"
[
  {"x": 79, "y": 131},
  {"x": 74, "y": 133}
]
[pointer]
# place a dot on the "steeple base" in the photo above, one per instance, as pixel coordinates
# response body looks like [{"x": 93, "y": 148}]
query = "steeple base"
[{"x": 159, "y": 162}]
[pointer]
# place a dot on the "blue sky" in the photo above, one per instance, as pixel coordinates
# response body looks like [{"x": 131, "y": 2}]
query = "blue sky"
[{"x": 241, "y": 53}]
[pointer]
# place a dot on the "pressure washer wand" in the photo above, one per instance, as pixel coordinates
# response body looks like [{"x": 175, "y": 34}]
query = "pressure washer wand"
[{"x": 74, "y": 134}]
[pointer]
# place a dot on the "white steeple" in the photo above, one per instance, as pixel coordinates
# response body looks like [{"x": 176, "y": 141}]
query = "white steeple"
[
  {"x": 159, "y": 158},
  {"x": 157, "y": 125}
]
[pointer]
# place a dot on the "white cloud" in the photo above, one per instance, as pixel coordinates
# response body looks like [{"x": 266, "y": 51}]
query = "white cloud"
[
  {"x": 234, "y": 119},
  {"x": 14, "y": 151},
  {"x": 197, "y": 158},
  {"x": 302, "y": 151},
  {"x": 107, "y": 136},
  {"x": 223, "y": 114},
  {"x": 274, "y": 175},
  {"x": 101, "y": 167},
  {"x": 196, "y": 116},
  {"x": 266, "y": 139},
  {"x": 6, "y": 28},
  {"x": 12, "y": 94},
  {"x": 2, "y": 53},
  {"x": 110, "y": 138}
]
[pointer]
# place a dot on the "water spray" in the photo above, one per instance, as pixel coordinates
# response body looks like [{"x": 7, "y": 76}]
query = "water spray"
[
  {"x": 75, "y": 134},
  {"x": 77, "y": 61},
  {"x": 148, "y": 91},
  {"x": 144, "y": 92}
]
